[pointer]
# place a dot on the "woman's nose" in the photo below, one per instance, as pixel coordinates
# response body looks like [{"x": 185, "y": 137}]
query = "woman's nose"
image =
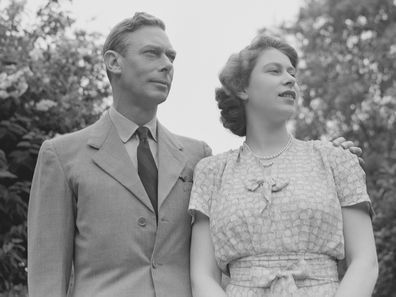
[{"x": 290, "y": 80}]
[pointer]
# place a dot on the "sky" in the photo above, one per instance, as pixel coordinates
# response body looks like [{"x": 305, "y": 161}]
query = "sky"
[{"x": 204, "y": 34}]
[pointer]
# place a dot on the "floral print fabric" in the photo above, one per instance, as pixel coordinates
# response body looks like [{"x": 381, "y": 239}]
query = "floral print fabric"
[{"x": 288, "y": 206}]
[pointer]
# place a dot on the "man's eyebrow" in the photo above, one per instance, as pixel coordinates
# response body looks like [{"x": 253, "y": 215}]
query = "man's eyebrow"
[
  {"x": 151, "y": 46},
  {"x": 171, "y": 52},
  {"x": 159, "y": 48}
]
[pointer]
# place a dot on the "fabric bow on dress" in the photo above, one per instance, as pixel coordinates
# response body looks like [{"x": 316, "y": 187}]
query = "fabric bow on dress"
[
  {"x": 283, "y": 280},
  {"x": 266, "y": 186}
]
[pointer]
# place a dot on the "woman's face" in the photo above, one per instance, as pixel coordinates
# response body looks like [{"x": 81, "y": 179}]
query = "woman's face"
[{"x": 272, "y": 92}]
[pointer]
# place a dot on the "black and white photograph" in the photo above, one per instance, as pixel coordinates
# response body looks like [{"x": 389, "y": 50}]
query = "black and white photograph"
[{"x": 198, "y": 148}]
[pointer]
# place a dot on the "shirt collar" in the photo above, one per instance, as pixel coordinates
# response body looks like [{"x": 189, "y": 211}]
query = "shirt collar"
[{"x": 126, "y": 128}]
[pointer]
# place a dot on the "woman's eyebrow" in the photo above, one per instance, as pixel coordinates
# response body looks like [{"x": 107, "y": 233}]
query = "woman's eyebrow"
[{"x": 288, "y": 68}]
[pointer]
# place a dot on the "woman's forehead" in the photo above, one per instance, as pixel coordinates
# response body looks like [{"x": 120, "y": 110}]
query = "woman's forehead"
[{"x": 272, "y": 55}]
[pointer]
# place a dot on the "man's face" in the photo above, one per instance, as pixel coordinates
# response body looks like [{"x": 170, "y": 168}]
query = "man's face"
[{"x": 147, "y": 66}]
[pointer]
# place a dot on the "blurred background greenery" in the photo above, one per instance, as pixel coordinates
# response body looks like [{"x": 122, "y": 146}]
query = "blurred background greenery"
[{"x": 52, "y": 81}]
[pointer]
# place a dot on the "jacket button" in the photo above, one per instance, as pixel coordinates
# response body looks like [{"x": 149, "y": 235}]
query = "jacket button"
[
  {"x": 141, "y": 222},
  {"x": 154, "y": 264}
]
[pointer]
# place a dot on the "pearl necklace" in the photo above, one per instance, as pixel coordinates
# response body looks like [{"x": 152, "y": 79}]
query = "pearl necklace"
[{"x": 273, "y": 156}]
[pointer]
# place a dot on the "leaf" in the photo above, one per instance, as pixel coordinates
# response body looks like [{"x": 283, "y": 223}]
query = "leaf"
[{"x": 6, "y": 174}]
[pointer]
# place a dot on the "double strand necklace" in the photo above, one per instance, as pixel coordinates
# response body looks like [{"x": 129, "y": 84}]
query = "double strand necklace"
[{"x": 273, "y": 156}]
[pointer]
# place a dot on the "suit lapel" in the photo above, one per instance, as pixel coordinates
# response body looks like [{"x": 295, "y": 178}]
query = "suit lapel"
[
  {"x": 171, "y": 162},
  {"x": 114, "y": 159}
]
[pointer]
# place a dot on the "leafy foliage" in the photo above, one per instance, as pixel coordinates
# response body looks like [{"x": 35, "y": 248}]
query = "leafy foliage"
[
  {"x": 349, "y": 88},
  {"x": 51, "y": 82}
]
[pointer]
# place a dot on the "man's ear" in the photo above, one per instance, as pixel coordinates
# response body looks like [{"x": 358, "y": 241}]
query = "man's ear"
[{"x": 113, "y": 61}]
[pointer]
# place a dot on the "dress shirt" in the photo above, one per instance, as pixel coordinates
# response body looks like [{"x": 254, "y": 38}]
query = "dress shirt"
[{"x": 126, "y": 130}]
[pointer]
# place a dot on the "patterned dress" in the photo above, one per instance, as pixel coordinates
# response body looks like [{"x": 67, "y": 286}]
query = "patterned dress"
[{"x": 276, "y": 225}]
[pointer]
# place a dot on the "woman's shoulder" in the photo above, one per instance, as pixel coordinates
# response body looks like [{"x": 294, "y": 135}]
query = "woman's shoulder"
[
  {"x": 335, "y": 155},
  {"x": 313, "y": 144},
  {"x": 323, "y": 146},
  {"x": 217, "y": 161}
]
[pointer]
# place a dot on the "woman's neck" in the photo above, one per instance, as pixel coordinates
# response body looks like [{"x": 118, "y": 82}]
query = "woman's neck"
[{"x": 267, "y": 139}]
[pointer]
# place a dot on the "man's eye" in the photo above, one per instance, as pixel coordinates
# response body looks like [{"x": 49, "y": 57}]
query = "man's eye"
[
  {"x": 151, "y": 52},
  {"x": 274, "y": 71}
]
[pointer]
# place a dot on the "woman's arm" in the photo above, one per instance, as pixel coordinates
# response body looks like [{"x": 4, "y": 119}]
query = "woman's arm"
[
  {"x": 205, "y": 274},
  {"x": 361, "y": 255}
]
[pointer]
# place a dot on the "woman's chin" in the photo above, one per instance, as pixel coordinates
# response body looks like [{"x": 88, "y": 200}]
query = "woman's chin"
[{"x": 286, "y": 112}]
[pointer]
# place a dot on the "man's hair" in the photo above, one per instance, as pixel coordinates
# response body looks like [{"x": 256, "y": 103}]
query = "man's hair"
[{"x": 116, "y": 40}]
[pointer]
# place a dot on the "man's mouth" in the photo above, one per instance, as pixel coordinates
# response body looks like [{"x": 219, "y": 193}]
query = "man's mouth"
[
  {"x": 162, "y": 82},
  {"x": 288, "y": 94}
]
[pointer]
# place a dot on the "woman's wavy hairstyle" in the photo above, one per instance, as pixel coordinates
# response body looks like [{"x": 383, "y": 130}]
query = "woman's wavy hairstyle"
[{"x": 235, "y": 78}]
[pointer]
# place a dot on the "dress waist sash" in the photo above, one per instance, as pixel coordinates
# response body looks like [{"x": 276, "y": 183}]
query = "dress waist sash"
[{"x": 283, "y": 274}]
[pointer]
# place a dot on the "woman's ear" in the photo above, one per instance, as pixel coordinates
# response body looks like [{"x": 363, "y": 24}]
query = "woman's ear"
[
  {"x": 243, "y": 95},
  {"x": 113, "y": 61}
]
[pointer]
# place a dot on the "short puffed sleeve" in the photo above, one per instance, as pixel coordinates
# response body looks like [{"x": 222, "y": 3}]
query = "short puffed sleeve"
[
  {"x": 205, "y": 180},
  {"x": 349, "y": 178}
]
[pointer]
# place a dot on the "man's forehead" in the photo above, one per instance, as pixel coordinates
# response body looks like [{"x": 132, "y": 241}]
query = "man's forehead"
[{"x": 149, "y": 36}]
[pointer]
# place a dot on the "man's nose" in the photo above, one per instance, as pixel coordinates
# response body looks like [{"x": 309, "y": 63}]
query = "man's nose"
[{"x": 167, "y": 64}]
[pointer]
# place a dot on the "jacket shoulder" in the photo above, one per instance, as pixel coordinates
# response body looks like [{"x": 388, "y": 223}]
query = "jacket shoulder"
[{"x": 72, "y": 141}]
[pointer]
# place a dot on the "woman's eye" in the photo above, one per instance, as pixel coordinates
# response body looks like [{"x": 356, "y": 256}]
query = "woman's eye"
[{"x": 274, "y": 71}]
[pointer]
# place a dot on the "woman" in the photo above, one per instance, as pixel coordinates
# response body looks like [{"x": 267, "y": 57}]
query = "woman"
[{"x": 277, "y": 213}]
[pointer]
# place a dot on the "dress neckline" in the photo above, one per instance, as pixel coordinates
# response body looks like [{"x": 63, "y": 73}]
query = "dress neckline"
[{"x": 285, "y": 148}]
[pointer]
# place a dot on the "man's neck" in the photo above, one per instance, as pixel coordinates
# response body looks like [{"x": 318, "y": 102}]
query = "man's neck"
[
  {"x": 134, "y": 113},
  {"x": 140, "y": 115}
]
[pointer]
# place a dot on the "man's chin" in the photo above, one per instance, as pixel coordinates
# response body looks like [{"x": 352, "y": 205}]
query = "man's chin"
[
  {"x": 161, "y": 101},
  {"x": 159, "y": 98}
]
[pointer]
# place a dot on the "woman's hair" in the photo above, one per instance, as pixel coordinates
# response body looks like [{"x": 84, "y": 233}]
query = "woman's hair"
[{"x": 235, "y": 78}]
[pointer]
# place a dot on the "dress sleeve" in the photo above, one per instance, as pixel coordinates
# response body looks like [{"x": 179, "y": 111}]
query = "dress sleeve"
[
  {"x": 350, "y": 179},
  {"x": 203, "y": 187}
]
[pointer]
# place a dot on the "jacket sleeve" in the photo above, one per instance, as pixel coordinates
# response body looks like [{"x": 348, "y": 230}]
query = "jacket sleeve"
[{"x": 51, "y": 224}]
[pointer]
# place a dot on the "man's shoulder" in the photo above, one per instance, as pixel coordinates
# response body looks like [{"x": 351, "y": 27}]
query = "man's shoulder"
[
  {"x": 193, "y": 149},
  {"x": 182, "y": 140},
  {"x": 75, "y": 136},
  {"x": 76, "y": 139},
  {"x": 186, "y": 140},
  {"x": 194, "y": 146}
]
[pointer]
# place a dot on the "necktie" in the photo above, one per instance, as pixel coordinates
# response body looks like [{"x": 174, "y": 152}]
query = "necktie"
[{"x": 147, "y": 169}]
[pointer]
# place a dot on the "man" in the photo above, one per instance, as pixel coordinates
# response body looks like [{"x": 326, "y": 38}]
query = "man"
[
  {"x": 111, "y": 200},
  {"x": 91, "y": 207}
]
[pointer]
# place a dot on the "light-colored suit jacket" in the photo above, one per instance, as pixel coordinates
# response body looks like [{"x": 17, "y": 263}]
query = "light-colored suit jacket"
[{"x": 88, "y": 209}]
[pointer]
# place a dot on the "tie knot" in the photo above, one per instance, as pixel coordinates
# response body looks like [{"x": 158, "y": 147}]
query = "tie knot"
[{"x": 142, "y": 132}]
